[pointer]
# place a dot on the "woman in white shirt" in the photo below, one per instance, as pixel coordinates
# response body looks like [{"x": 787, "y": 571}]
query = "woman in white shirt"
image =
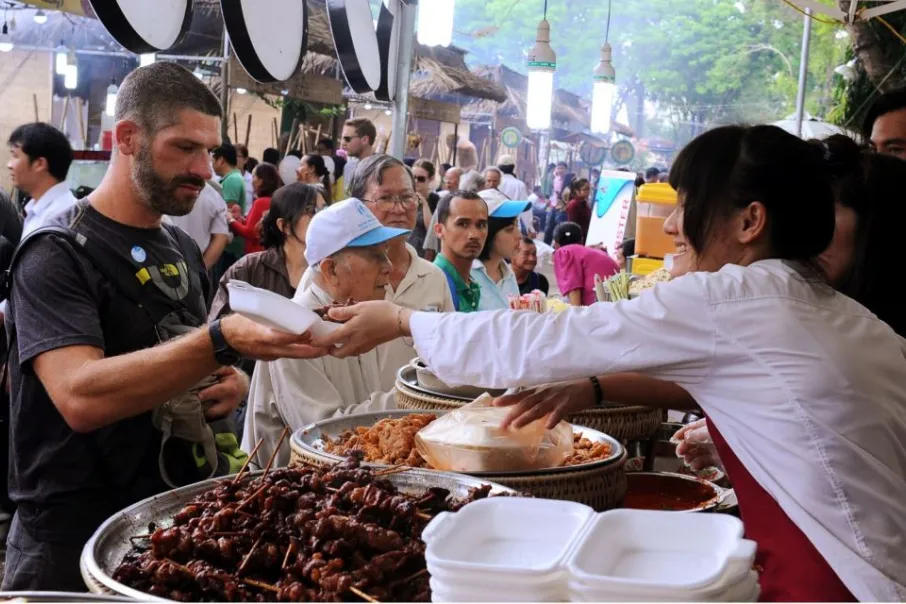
[{"x": 804, "y": 387}]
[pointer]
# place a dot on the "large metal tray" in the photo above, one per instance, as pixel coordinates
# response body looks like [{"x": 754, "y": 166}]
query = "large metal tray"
[
  {"x": 311, "y": 439},
  {"x": 58, "y": 596},
  {"x": 408, "y": 375},
  {"x": 110, "y": 543}
]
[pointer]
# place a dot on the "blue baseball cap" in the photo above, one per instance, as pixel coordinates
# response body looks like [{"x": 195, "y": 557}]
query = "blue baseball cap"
[
  {"x": 501, "y": 207},
  {"x": 345, "y": 224}
]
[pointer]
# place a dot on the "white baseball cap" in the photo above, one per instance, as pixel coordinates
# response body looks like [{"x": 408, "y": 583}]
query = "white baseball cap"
[
  {"x": 345, "y": 224},
  {"x": 507, "y": 160},
  {"x": 499, "y": 206}
]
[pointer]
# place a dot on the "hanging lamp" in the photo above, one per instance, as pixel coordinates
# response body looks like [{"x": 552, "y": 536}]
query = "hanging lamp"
[
  {"x": 541, "y": 64},
  {"x": 604, "y": 87}
]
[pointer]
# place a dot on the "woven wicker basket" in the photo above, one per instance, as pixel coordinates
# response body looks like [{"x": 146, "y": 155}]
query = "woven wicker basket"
[
  {"x": 622, "y": 423},
  {"x": 601, "y": 487}
]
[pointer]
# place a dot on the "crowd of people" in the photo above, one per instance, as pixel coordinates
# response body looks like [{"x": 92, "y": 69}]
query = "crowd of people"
[{"x": 123, "y": 349}]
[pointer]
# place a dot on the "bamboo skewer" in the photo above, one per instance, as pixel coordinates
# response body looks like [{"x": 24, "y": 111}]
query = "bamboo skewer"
[
  {"x": 261, "y": 585},
  {"x": 424, "y": 516},
  {"x": 289, "y": 552},
  {"x": 274, "y": 454},
  {"x": 247, "y": 461},
  {"x": 247, "y": 557},
  {"x": 250, "y": 498},
  {"x": 423, "y": 571},
  {"x": 393, "y": 470},
  {"x": 363, "y": 595}
]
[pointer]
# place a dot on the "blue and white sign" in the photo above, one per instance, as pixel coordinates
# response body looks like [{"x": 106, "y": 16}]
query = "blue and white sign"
[{"x": 610, "y": 213}]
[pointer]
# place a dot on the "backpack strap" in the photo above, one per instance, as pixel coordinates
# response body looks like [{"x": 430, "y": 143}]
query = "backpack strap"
[{"x": 6, "y": 279}]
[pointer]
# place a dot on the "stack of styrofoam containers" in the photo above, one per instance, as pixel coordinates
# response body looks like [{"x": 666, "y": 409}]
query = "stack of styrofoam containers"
[
  {"x": 647, "y": 556},
  {"x": 510, "y": 549},
  {"x": 503, "y": 549}
]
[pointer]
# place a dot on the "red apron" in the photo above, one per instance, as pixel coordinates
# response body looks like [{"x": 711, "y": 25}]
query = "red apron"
[{"x": 791, "y": 568}]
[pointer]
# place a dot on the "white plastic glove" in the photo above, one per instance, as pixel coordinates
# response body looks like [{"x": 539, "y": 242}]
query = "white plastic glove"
[{"x": 695, "y": 447}]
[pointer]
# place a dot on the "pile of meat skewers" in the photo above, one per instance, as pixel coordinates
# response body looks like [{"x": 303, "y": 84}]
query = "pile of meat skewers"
[{"x": 295, "y": 534}]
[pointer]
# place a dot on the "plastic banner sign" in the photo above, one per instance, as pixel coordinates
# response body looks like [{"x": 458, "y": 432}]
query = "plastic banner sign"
[{"x": 610, "y": 214}]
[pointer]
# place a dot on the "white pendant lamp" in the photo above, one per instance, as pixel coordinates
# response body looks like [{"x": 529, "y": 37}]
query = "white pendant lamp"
[
  {"x": 542, "y": 63},
  {"x": 71, "y": 77},
  {"x": 61, "y": 58},
  {"x": 112, "y": 91},
  {"x": 435, "y": 25},
  {"x": 604, "y": 87},
  {"x": 40, "y": 17},
  {"x": 6, "y": 41}
]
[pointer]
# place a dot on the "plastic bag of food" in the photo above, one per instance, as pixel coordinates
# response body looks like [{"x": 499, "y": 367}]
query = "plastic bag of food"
[{"x": 470, "y": 440}]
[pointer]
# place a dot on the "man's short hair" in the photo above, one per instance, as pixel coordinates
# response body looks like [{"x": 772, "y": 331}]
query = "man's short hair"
[
  {"x": 152, "y": 96},
  {"x": 271, "y": 156},
  {"x": 443, "y": 206},
  {"x": 43, "y": 140},
  {"x": 242, "y": 150},
  {"x": 327, "y": 142},
  {"x": 227, "y": 152},
  {"x": 528, "y": 241},
  {"x": 651, "y": 173},
  {"x": 493, "y": 169},
  {"x": 889, "y": 102},
  {"x": 563, "y": 164},
  {"x": 363, "y": 127},
  {"x": 507, "y": 169},
  {"x": 372, "y": 169}
]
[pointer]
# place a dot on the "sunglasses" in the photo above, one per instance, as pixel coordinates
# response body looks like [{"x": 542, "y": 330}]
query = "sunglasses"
[
  {"x": 421, "y": 179},
  {"x": 348, "y": 139}
]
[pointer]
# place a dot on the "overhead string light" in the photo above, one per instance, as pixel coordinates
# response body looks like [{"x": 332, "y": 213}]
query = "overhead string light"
[
  {"x": 604, "y": 87},
  {"x": 541, "y": 64}
]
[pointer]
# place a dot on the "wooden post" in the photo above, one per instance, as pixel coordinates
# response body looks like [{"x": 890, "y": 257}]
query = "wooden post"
[
  {"x": 34, "y": 98},
  {"x": 235, "y": 130},
  {"x": 292, "y": 133},
  {"x": 65, "y": 111},
  {"x": 276, "y": 134},
  {"x": 81, "y": 121},
  {"x": 248, "y": 131}
]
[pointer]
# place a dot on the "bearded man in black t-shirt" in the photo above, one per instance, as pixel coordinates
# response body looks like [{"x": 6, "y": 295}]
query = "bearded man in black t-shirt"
[{"x": 94, "y": 352}]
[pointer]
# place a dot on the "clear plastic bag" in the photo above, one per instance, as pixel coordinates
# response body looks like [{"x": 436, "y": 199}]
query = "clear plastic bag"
[{"x": 470, "y": 440}]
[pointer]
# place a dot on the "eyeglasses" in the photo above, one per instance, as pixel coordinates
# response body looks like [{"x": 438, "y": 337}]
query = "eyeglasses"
[
  {"x": 407, "y": 201},
  {"x": 421, "y": 179},
  {"x": 348, "y": 139}
]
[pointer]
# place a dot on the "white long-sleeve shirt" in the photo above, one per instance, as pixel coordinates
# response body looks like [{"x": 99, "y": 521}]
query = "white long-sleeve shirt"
[
  {"x": 807, "y": 387},
  {"x": 39, "y": 212},
  {"x": 297, "y": 392}
]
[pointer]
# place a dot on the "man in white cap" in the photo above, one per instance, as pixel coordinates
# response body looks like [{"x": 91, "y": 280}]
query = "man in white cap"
[
  {"x": 347, "y": 249},
  {"x": 515, "y": 189}
]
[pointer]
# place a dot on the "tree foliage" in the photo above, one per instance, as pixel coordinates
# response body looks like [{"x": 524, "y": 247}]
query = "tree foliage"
[{"x": 702, "y": 62}]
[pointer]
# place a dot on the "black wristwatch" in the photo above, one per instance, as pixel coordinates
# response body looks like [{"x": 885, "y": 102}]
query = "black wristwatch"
[{"x": 223, "y": 352}]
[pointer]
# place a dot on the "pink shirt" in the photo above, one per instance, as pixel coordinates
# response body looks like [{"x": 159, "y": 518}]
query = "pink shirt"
[{"x": 576, "y": 266}]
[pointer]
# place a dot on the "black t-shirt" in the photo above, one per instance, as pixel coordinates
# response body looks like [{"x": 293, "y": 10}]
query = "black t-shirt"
[
  {"x": 66, "y": 483},
  {"x": 534, "y": 281}
]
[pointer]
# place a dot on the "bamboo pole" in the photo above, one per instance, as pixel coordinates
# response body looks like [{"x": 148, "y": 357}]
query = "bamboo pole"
[
  {"x": 34, "y": 98},
  {"x": 65, "y": 112},
  {"x": 235, "y": 130},
  {"x": 248, "y": 131},
  {"x": 276, "y": 133},
  {"x": 292, "y": 131}
]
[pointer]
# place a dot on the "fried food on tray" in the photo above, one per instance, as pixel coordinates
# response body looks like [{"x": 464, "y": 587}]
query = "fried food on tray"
[
  {"x": 390, "y": 441},
  {"x": 299, "y": 534}
]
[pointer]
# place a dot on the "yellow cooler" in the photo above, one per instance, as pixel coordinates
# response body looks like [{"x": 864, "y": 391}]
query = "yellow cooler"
[{"x": 654, "y": 203}]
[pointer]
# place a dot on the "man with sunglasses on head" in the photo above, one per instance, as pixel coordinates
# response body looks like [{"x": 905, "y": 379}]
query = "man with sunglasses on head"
[
  {"x": 357, "y": 141},
  {"x": 387, "y": 188}
]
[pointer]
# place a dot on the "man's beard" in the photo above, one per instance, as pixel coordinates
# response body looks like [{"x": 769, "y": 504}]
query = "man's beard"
[{"x": 159, "y": 195}]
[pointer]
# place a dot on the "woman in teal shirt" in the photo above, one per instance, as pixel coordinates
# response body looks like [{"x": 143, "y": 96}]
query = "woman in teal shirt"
[{"x": 491, "y": 271}]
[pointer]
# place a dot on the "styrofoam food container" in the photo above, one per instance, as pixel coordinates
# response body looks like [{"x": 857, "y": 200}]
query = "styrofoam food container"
[
  {"x": 637, "y": 550},
  {"x": 730, "y": 589},
  {"x": 275, "y": 311},
  {"x": 443, "y": 592},
  {"x": 512, "y": 535},
  {"x": 538, "y": 580}
]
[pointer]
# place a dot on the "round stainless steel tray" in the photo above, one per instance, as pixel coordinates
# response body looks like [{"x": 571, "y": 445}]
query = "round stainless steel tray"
[
  {"x": 408, "y": 375},
  {"x": 110, "y": 543},
  {"x": 59, "y": 596},
  {"x": 311, "y": 440}
]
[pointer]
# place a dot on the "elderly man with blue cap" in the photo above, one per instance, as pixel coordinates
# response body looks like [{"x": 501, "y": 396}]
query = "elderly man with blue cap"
[
  {"x": 491, "y": 270},
  {"x": 347, "y": 250}
]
